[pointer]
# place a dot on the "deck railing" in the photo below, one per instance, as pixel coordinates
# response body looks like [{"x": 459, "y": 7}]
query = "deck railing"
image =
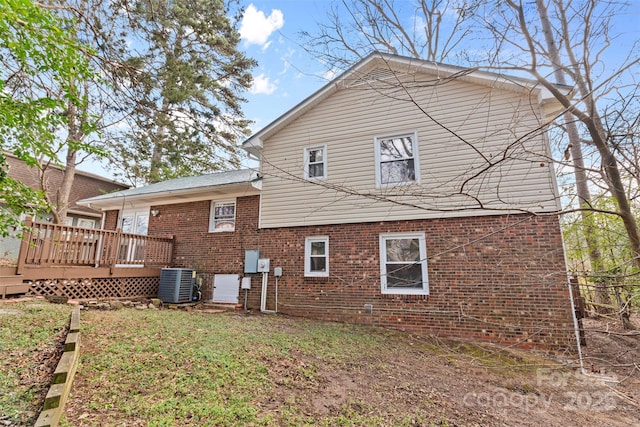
[{"x": 53, "y": 245}]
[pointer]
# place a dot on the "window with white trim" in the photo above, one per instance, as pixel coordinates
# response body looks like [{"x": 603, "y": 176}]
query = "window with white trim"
[
  {"x": 403, "y": 264},
  {"x": 315, "y": 162},
  {"x": 222, "y": 216},
  {"x": 316, "y": 256},
  {"x": 86, "y": 223},
  {"x": 397, "y": 159}
]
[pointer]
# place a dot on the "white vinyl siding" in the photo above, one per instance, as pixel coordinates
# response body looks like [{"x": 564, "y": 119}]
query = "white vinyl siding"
[
  {"x": 315, "y": 162},
  {"x": 461, "y": 158},
  {"x": 222, "y": 216},
  {"x": 403, "y": 264},
  {"x": 316, "y": 256}
]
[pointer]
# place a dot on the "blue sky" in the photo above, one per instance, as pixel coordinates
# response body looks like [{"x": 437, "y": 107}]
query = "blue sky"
[{"x": 286, "y": 74}]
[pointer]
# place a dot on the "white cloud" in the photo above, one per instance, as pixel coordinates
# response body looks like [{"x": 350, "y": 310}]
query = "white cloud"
[
  {"x": 287, "y": 58},
  {"x": 256, "y": 27},
  {"x": 330, "y": 74},
  {"x": 262, "y": 84}
]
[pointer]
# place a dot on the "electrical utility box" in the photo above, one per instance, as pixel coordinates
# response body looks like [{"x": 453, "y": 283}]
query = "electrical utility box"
[
  {"x": 263, "y": 265},
  {"x": 251, "y": 261}
]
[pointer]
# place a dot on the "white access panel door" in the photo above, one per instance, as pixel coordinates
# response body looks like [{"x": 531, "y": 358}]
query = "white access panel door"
[{"x": 226, "y": 288}]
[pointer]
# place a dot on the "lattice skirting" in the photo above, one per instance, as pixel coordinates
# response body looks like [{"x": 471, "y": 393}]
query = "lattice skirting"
[{"x": 99, "y": 288}]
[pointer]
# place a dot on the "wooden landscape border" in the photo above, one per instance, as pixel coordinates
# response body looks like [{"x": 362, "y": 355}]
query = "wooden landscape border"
[{"x": 63, "y": 376}]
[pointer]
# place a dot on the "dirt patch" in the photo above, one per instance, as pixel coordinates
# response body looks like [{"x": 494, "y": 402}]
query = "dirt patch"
[
  {"x": 8, "y": 262},
  {"x": 452, "y": 387},
  {"x": 9, "y": 311},
  {"x": 467, "y": 384},
  {"x": 614, "y": 352}
]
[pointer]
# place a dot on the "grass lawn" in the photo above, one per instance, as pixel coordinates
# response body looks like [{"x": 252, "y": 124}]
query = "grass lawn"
[
  {"x": 175, "y": 368},
  {"x": 30, "y": 335}
]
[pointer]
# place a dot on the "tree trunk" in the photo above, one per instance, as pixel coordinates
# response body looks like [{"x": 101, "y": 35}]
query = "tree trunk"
[
  {"x": 76, "y": 119},
  {"x": 155, "y": 168},
  {"x": 582, "y": 187}
]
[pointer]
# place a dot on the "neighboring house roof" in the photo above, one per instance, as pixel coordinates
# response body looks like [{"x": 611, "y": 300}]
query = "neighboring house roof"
[
  {"x": 84, "y": 185},
  {"x": 180, "y": 190},
  {"x": 395, "y": 63}
]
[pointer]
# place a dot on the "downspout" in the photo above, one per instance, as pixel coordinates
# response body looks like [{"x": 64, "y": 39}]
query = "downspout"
[
  {"x": 263, "y": 299},
  {"x": 576, "y": 328}
]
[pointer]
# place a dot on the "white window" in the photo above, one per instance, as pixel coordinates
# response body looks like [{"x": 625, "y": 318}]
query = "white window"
[
  {"x": 397, "y": 159},
  {"x": 135, "y": 221},
  {"x": 315, "y": 162},
  {"x": 316, "y": 256},
  {"x": 403, "y": 264},
  {"x": 223, "y": 216},
  {"x": 86, "y": 223}
]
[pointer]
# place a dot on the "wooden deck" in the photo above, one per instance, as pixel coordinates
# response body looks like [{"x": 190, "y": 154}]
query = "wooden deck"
[{"x": 61, "y": 253}]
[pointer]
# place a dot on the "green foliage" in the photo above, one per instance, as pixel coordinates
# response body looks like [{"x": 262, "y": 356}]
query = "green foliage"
[
  {"x": 35, "y": 44},
  {"x": 611, "y": 237},
  {"x": 187, "y": 78},
  {"x": 615, "y": 283},
  {"x": 17, "y": 200}
]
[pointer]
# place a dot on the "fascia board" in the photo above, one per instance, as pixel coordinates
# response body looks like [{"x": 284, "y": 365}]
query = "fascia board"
[{"x": 169, "y": 197}]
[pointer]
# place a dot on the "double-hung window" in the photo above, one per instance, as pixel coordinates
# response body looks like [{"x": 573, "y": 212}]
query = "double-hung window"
[
  {"x": 222, "y": 216},
  {"x": 86, "y": 223},
  {"x": 315, "y": 162},
  {"x": 397, "y": 159},
  {"x": 316, "y": 256},
  {"x": 403, "y": 264}
]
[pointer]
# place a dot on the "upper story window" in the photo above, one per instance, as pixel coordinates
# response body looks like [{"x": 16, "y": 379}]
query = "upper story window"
[
  {"x": 397, "y": 159},
  {"x": 403, "y": 264},
  {"x": 222, "y": 216},
  {"x": 316, "y": 256},
  {"x": 315, "y": 162}
]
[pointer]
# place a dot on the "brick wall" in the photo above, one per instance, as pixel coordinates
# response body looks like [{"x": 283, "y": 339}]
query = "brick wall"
[
  {"x": 208, "y": 253},
  {"x": 84, "y": 185},
  {"x": 496, "y": 278},
  {"x": 111, "y": 220}
]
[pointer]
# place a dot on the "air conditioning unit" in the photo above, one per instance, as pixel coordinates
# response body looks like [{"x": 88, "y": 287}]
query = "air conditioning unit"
[{"x": 176, "y": 285}]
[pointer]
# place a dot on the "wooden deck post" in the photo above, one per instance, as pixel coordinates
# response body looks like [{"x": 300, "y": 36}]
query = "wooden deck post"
[
  {"x": 115, "y": 250},
  {"x": 24, "y": 244}
]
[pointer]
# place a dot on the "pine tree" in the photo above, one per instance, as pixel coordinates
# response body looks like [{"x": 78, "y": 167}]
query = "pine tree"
[{"x": 186, "y": 89}]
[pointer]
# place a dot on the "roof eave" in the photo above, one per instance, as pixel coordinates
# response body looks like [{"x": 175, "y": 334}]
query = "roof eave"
[{"x": 168, "y": 197}]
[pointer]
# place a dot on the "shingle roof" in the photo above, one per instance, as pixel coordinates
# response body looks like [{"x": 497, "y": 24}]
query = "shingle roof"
[{"x": 182, "y": 185}]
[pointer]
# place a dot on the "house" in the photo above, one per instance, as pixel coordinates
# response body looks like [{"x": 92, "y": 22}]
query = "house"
[
  {"x": 84, "y": 185},
  {"x": 404, "y": 193}
]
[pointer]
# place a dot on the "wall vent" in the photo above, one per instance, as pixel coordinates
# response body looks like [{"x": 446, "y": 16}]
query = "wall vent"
[{"x": 176, "y": 285}]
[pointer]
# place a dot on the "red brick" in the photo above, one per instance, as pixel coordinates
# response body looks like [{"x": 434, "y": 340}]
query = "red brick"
[{"x": 495, "y": 278}]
